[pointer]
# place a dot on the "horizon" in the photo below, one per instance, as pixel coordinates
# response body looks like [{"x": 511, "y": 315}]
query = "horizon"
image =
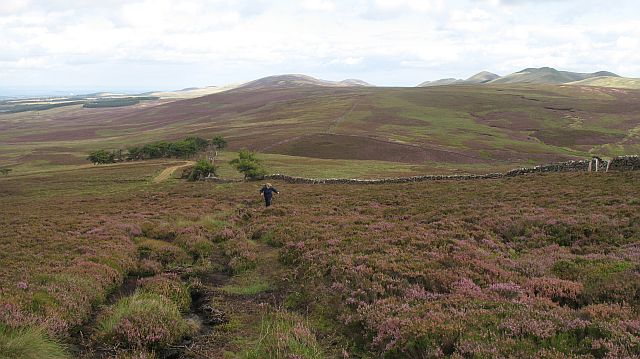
[
  {"x": 52, "y": 92},
  {"x": 71, "y": 46}
]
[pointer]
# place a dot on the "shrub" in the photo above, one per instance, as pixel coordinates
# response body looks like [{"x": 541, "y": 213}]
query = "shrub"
[
  {"x": 201, "y": 170},
  {"x": 219, "y": 143},
  {"x": 29, "y": 343},
  {"x": 170, "y": 287},
  {"x": 247, "y": 164},
  {"x": 143, "y": 320},
  {"x": 102, "y": 157}
]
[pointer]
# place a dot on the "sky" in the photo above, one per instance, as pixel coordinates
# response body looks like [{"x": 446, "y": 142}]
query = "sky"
[{"x": 85, "y": 46}]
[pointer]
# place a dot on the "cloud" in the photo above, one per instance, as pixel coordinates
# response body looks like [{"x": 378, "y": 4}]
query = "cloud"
[{"x": 401, "y": 42}]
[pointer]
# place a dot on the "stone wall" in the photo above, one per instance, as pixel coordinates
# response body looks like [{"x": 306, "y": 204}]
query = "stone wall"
[{"x": 622, "y": 163}]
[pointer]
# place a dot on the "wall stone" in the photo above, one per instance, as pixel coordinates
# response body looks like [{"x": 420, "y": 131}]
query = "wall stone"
[{"x": 622, "y": 163}]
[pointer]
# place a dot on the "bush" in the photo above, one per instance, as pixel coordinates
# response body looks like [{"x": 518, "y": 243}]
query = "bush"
[
  {"x": 201, "y": 170},
  {"x": 219, "y": 143},
  {"x": 143, "y": 320},
  {"x": 29, "y": 343},
  {"x": 168, "y": 286},
  {"x": 100, "y": 157},
  {"x": 248, "y": 165}
]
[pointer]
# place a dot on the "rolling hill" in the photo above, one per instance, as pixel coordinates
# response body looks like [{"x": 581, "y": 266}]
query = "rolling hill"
[
  {"x": 610, "y": 81},
  {"x": 547, "y": 75},
  {"x": 479, "y": 78},
  {"x": 473, "y": 127},
  {"x": 296, "y": 80},
  {"x": 542, "y": 75}
]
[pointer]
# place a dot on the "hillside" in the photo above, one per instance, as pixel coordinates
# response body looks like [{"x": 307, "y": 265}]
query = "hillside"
[
  {"x": 460, "y": 128},
  {"x": 192, "y": 92},
  {"x": 609, "y": 81},
  {"x": 295, "y": 80},
  {"x": 479, "y": 78},
  {"x": 547, "y": 75},
  {"x": 543, "y": 75}
]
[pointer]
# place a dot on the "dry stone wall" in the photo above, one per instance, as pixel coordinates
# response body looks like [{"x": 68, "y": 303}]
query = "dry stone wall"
[{"x": 596, "y": 164}]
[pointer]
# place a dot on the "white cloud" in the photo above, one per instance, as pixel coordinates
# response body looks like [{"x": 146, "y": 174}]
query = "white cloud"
[{"x": 400, "y": 42}]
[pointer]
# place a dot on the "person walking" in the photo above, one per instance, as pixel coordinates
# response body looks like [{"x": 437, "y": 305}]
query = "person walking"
[{"x": 267, "y": 191}]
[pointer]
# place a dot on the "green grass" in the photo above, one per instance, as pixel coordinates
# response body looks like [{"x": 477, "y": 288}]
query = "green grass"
[
  {"x": 29, "y": 343},
  {"x": 285, "y": 335},
  {"x": 251, "y": 288},
  {"x": 143, "y": 320}
]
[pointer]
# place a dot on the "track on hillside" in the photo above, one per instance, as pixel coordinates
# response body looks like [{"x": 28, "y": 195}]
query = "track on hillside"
[{"x": 167, "y": 172}]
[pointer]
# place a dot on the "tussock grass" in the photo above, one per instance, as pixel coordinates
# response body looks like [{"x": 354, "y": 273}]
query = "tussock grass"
[
  {"x": 170, "y": 287},
  {"x": 29, "y": 343},
  {"x": 164, "y": 252},
  {"x": 285, "y": 335},
  {"x": 143, "y": 320}
]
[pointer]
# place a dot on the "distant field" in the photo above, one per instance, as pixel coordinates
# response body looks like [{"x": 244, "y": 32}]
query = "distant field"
[{"x": 460, "y": 127}]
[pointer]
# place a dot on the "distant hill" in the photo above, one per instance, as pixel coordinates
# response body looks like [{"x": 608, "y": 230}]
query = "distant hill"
[
  {"x": 542, "y": 75},
  {"x": 547, "y": 75},
  {"x": 479, "y": 78},
  {"x": 482, "y": 77},
  {"x": 441, "y": 82},
  {"x": 191, "y": 92},
  {"x": 610, "y": 81},
  {"x": 296, "y": 80}
]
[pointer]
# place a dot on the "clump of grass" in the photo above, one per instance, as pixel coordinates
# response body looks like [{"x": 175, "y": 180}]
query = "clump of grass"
[
  {"x": 285, "y": 335},
  {"x": 143, "y": 320},
  {"x": 147, "y": 267},
  {"x": 164, "y": 252},
  {"x": 29, "y": 343},
  {"x": 170, "y": 287},
  {"x": 251, "y": 288}
]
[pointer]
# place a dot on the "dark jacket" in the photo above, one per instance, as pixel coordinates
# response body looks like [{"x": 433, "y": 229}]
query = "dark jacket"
[{"x": 268, "y": 191}]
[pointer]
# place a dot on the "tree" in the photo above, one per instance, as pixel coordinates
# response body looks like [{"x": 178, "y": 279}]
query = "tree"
[
  {"x": 101, "y": 157},
  {"x": 249, "y": 165},
  {"x": 202, "y": 169},
  {"x": 5, "y": 171},
  {"x": 219, "y": 143}
]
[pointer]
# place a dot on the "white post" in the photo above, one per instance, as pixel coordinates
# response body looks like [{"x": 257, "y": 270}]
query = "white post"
[
  {"x": 590, "y": 162},
  {"x": 596, "y": 165},
  {"x": 608, "y": 163}
]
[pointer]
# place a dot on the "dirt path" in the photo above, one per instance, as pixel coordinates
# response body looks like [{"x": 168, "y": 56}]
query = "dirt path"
[{"x": 167, "y": 172}]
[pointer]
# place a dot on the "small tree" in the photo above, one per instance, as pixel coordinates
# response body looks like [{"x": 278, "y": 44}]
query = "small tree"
[
  {"x": 219, "y": 143},
  {"x": 249, "y": 165},
  {"x": 101, "y": 157},
  {"x": 202, "y": 169}
]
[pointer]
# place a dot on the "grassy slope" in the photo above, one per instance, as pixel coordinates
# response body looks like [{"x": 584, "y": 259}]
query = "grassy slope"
[
  {"x": 455, "y": 127},
  {"x": 608, "y": 81}
]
